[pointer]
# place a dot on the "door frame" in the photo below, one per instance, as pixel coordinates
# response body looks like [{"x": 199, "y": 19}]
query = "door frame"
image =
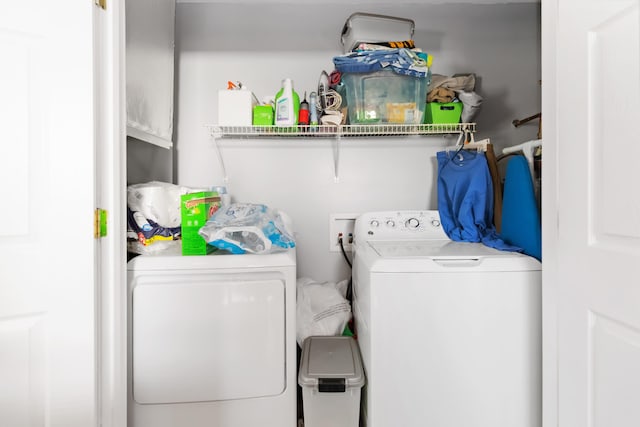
[
  {"x": 111, "y": 190},
  {"x": 550, "y": 214},
  {"x": 110, "y": 165}
]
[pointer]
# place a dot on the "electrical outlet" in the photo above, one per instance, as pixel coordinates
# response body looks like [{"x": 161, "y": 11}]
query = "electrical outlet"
[{"x": 341, "y": 225}]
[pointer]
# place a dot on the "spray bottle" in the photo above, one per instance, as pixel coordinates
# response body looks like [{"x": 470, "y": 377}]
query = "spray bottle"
[{"x": 287, "y": 105}]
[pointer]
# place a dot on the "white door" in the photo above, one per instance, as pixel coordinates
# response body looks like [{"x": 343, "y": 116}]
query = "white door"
[
  {"x": 47, "y": 249},
  {"x": 591, "y": 106}
]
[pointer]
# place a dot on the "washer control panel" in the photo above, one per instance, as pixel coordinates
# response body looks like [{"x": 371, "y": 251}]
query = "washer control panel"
[{"x": 399, "y": 225}]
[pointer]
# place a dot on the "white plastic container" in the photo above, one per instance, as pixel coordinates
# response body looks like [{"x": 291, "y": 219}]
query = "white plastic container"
[
  {"x": 368, "y": 27},
  {"x": 235, "y": 107},
  {"x": 331, "y": 377}
]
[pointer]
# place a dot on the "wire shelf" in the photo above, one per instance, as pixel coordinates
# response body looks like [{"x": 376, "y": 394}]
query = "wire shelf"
[
  {"x": 335, "y": 132},
  {"x": 332, "y": 131}
]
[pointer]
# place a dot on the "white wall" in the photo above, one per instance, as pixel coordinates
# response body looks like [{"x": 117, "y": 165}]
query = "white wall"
[
  {"x": 260, "y": 45},
  {"x": 148, "y": 162}
]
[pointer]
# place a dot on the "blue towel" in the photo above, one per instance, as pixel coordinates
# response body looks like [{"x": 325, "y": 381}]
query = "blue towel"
[
  {"x": 401, "y": 61},
  {"x": 521, "y": 224},
  {"x": 465, "y": 199}
]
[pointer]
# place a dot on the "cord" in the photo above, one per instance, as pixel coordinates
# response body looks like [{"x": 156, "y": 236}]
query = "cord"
[
  {"x": 349, "y": 286},
  {"x": 331, "y": 100},
  {"x": 349, "y": 295},
  {"x": 344, "y": 253}
]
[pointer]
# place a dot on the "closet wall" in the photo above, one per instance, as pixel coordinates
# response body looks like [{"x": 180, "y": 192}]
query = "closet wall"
[
  {"x": 260, "y": 44},
  {"x": 150, "y": 66}
]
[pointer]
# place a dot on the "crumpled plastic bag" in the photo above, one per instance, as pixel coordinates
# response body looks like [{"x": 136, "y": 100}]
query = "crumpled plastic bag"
[
  {"x": 321, "y": 308},
  {"x": 153, "y": 216},
  {"x": 246, "y": 227},
  {"x": 471, "y": 103},
  {"x": 157, "y": 201}
]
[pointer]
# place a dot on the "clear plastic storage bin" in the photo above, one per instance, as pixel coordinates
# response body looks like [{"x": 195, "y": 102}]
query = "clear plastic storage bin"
[{"x": 385, "y": 97}]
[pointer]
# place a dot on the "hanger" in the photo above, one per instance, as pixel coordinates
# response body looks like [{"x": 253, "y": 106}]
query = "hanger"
[
  {"x": 463, "y": 138},
  {"x": 466, "y": 141},
  {"x": 459, "y": 143},
  {"x": 480, "y": 146},
  {"x": 528, "y": 149}
]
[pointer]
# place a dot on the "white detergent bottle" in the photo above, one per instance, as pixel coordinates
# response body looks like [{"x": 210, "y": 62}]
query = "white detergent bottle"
[{"x": 286, "y": 114}]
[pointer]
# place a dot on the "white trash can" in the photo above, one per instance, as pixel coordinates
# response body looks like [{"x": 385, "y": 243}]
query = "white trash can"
[{"x": 331, "y": 377}]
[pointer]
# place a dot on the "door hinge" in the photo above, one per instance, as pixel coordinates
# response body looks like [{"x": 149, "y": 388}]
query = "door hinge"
[
  {"x": 100, "y": 223},
  {"x": 101, "y": 3}
]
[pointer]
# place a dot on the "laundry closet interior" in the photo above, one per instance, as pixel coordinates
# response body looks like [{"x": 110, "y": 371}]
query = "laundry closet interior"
[
  {"x": 181, "y": 53},
  {"x": 260, "y": 43}
]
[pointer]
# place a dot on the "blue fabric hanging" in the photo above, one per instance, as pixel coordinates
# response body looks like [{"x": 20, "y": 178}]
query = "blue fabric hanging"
[
  {"x": 401, "y": 61},
  {"x": 520, "y": 216},
  {"x": 465, "y": 199}
]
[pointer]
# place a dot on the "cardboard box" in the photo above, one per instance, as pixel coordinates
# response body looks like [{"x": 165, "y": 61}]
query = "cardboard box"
[
  {"x": 402, "y": 112},
  {"x": 195, "y": 210}
]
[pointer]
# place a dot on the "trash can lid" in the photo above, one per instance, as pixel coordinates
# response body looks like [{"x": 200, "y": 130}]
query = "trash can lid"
[{"x": 326, "y": 357}]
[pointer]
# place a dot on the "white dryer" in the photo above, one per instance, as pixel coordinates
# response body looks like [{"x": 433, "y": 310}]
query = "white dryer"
[
  {"x": 212, "y": 340},
  {"x": 450, "y": 332}
]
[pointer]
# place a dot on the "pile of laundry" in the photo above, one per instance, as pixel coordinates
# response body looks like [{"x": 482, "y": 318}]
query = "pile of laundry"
[{"x": 444, "y": 89}]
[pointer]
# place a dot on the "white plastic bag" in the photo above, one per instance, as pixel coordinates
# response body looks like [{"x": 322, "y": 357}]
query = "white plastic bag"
[
  {"x": 471, "y": 103},
  {"x": 158, "y": 201},
  {"x": 321, "y": 309}
]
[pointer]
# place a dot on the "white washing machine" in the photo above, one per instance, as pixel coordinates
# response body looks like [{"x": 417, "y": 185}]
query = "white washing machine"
[
  {"x": 212, "y": 340},
  {"x": 450, "y": 332}
]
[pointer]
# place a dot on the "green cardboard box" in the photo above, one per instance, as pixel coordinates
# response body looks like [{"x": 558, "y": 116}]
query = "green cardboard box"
[{"x": 195, "y": 210}]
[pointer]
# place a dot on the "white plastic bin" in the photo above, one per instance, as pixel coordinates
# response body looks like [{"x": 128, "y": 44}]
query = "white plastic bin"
[{"x": 331, "y": 377}]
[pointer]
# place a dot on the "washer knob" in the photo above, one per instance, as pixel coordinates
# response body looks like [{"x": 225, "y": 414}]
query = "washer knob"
[
  {"x": 391, "y": 223},
  {"x": 412, "y": 223},
  {"x": 435, "y": 223},
  {"x": 374, "y": 223}
]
